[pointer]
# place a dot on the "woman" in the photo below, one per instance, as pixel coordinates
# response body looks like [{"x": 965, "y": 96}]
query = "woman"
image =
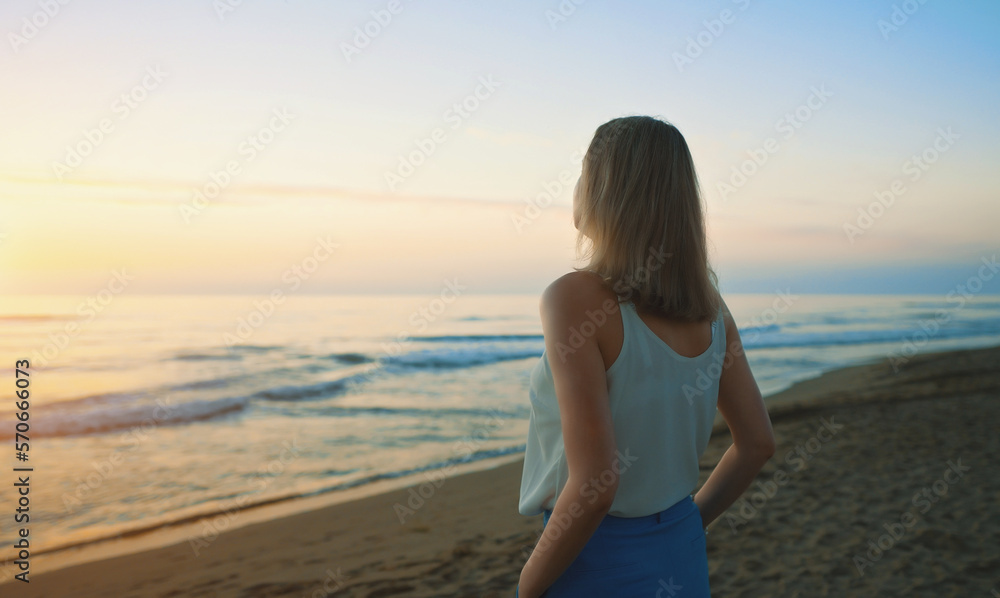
[{"x": 640, "y": 351}]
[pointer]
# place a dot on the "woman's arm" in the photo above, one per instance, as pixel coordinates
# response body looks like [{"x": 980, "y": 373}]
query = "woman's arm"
[
  {"x": 743, "y": 409},
  {"x": 588, "y": 432}
]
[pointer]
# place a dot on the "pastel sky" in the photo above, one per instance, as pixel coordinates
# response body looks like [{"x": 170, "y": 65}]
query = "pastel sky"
[{"x": 116, "y": 115}]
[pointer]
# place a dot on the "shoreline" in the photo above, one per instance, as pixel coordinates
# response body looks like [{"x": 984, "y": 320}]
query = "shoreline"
[
  {"x": 365, "y": 514},
  {"x": 282, "y": 505},
  {"x": 179, "y": 532}
]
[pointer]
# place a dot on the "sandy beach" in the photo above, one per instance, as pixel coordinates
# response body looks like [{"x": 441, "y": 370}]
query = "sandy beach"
[{"x": 884, "y": 483}]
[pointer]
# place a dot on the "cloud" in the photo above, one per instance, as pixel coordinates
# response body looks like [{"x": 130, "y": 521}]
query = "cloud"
[
  {"x": 172, "y": 193},
  {"x": 508, "y": 138}
]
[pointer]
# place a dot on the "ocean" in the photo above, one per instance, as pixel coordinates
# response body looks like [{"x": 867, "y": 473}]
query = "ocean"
[{"x": 152, "y": 410}]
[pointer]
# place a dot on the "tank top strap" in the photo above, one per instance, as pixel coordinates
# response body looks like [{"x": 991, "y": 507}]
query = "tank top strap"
[
  {"x": 634, "y": 338},
  {"x": 628, "y": 311}
]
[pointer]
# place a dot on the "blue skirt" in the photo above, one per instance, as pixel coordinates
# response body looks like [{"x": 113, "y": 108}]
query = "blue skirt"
[{"x": 656, "y": 556}]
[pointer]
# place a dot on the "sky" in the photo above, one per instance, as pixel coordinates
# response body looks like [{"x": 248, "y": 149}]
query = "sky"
[{"x": 212, "y": 146}]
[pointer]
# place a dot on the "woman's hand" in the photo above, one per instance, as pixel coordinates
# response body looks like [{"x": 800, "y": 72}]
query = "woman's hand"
[{"x": 742, "y": 407}]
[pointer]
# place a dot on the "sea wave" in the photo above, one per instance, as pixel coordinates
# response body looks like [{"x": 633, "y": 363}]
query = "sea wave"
[
  {"x": 293, "y": 392},
  {"x": 190, "y": 356},
  {"x": 108, "y": 400},
  {"x": 463, "y": 357},
  {"x": 476, "y": 338},
  {"x": 350, "y": 358},
  {"x": 868, "y": 336},
  {"x": 111, "y": 417},
  {"x": 429, "y": 413},
  {"x": 329, "y": 375}
]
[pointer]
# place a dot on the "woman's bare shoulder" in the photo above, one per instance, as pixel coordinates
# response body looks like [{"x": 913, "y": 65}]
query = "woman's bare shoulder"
[{"x": 579, "y": 289}]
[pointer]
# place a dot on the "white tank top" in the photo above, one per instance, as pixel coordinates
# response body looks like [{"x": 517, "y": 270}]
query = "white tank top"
[{"x": 663, "y": 406}]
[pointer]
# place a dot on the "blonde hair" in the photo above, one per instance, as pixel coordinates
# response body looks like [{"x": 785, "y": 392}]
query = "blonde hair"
[{"x": 641, "y": 219}]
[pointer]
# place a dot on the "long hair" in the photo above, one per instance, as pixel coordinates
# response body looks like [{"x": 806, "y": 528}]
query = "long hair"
[{"x": 641, "y": 221}]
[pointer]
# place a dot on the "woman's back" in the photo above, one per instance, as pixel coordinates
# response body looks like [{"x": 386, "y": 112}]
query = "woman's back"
[{"x": 662, "y": 378}]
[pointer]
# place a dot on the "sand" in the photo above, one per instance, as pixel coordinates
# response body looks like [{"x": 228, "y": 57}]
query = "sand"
[{"x": 884, "y": 483}]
